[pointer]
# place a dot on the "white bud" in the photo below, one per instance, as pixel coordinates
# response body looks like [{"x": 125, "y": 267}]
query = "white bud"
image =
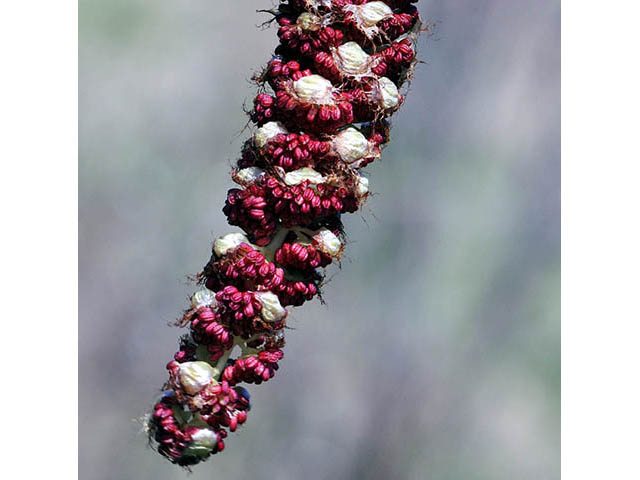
[
  {"x": 352, "y": 59},
  {"x": 248, "y": 175},
  {"x": 202, "y": 442},
  {"x": 268, "y": 132},
  {"x": 372, "y": 12},
  {"x": 314, "y": 89},
  {"x": 307, "y": 21},
  {"x": 328, "y": 242},
  {"x": 194, "y": 376},
  {"x": 203, "y": 298},
  {"x": 363, "y": 186},
  {"x": 271, "y": 311},
  {"x": 205, "y": 437},
  {"x": 223, "y": 244},
  {"x": 350, "y": 145},
  {"x": 388, "y": 92},
  {"x": 298, "y": 176}
]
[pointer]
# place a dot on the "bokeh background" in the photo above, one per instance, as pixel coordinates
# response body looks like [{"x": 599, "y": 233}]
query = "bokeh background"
[{"x": 436, "y": 355}]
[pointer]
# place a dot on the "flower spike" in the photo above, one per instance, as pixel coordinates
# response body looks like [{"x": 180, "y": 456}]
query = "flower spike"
[{"x": 322, "y": 115}]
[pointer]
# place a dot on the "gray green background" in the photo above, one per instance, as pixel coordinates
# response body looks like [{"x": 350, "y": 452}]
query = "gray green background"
[{"x": 437, "y": 353}]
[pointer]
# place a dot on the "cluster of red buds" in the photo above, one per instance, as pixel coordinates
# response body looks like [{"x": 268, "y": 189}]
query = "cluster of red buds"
[{"x": 322, "y": 115}]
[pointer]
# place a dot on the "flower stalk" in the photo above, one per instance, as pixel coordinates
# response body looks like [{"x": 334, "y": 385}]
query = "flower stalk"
[{"x": 322, "y": 116}]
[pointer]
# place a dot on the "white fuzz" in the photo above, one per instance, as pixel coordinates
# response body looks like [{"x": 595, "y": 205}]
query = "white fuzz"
[
  {"x": 314, "y": 89},
  {"x": 351, "y": 59},
  {"x": 328, "y": 242},
  {"x": 194, "y": 376},
  {"x": 298, "y": 176},
  {"x": 373, "y": 12},
  {"x": 203, "y": 298},
  {"x": 248, "y": 175},
  {"x": 223, "y": 244},
  {"x": 202, "y": 442},
  {"x": 350, "y": 145},
  {"x": 268, "y": 132},
  {"x": 388, "y": 93},
  {"x": 363, "y": 186},
  {"x": 271, "y": 311},
  {"x": 310, "y": 22}
]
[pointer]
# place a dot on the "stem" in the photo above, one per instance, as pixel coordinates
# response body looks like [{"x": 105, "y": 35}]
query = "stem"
[
  {"x": 269, "y": 251},
  {"x": 242, "y": 343},
  {"x": 222, "y": 362}
]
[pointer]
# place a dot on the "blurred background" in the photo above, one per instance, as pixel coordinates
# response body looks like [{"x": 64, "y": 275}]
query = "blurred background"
[{"x": 436, "y": 355}]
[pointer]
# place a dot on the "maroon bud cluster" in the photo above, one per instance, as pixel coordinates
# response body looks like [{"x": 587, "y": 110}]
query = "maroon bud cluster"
[
  {"x": 279, "y": 72},
  {"x": 261, "y": 207},
  {"x": 395, "y": 59},
  {"x": 290, "y": 151},
  {"x": 171, "y": 437},
  {"x": 207, "y": 329},
  {"x": 302, "y": 257},
  {"x": 309, "y": 37},
  {"x": 263, "y": 108},
  {"x": 399, "y": 23},
  {"x": 247, "y": 209},
  {"x": 295, "y": 151},
  {"x": 219, "y": 407},
  {"x": 322, "y": 115},
  {"x": 243, "y": 267},
  {"x": 242, "y": 312},
  {"x": 304, "y": 203},
  {"x": 316, "y": 117},
  {"x": 253, "y": 368},
  {"x": 248, "y": 269}
]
